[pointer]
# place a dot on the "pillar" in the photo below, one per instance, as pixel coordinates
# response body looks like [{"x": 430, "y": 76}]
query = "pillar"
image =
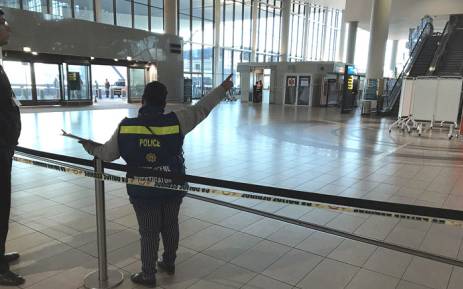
[
  {"x": 217, "y": 56},
  {"x": 351, "y": 40},
  {"x": 170, "y": 17},
  {"x": 395, "y": 47},
  {"x": 379, "y": 30},
  {"x": 255, "y": 8},
  {"x": 342, "y": 38},
  {"x": 97, "y": 11},
  {"x": 284, "y": 38}
]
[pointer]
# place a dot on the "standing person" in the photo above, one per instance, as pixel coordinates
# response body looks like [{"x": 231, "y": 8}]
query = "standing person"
[
  {"x": 154, "y": 140},
  {"x": 10, "y": 121},
  {"x": 107, "y": 86}
]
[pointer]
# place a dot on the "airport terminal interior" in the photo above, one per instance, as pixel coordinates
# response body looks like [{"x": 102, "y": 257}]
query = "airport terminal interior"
[{"x": 334, "y": 162}]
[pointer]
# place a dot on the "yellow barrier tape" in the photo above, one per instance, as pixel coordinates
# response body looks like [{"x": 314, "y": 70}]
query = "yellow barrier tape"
[{"x": 149, "y": 182}]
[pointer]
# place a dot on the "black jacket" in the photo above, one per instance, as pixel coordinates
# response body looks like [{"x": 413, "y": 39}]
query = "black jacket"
[{"x": 10, "y": 119}]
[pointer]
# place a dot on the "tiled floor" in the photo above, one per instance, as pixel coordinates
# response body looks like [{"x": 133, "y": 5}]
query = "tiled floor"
[{"x": 320, "y": 150}]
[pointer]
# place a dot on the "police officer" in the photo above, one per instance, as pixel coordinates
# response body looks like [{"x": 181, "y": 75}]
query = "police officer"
[
  {"x": 154, "y": 140},
  {"x": 10, "y": 122}
]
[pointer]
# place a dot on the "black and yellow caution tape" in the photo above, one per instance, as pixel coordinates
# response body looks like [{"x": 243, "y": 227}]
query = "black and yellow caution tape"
[{"x": 150, "y": 182}]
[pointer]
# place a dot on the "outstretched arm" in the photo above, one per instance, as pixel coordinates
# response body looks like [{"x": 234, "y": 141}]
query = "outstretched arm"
[
  {"x": 108, "y": 152},
  {"x": 190, "y": 117}
]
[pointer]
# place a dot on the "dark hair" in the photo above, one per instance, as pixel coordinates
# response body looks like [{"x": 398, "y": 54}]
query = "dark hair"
[
  {"x": 1, "y": 12},
  {"x": 155, "y": 94}
]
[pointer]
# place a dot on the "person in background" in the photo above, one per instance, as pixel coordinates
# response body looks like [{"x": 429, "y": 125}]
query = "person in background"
[
  {"x": 107, "y": 86},
  {"x": 154, "y": 140},
  {"x": 10, "y": 122}
]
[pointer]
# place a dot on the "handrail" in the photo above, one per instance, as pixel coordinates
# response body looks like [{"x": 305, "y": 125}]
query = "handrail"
[
  {"x": 407, "y": 66},
  {"x": 442, "y": 46},
  {"x": 430, "y": 212}
]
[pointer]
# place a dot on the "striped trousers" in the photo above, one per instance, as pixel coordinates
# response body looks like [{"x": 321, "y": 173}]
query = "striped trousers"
[{"x": 156, "y": 218}]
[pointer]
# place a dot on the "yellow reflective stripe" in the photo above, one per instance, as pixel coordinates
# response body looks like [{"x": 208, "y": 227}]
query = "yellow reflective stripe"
[{"x": 162, "y": 130}]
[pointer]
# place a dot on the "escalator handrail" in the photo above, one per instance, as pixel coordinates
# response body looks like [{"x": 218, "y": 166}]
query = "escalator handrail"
[
  {"x": 408, "y": 64},
  {"x": 442, "y": 47}
]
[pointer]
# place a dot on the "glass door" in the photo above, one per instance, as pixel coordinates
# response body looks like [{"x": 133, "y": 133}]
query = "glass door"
[
  {"x": 47, "y": 83},
  {"x": 136, "y": 84},
  {"x": 19, "y": 74},
  {"x": 77, "y": 84}
]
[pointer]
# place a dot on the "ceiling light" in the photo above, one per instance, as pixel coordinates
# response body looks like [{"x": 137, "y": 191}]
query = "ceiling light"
[
  {"x": 34, "y": 53},
  {"x": 27, "y": 49},
  {"x": 92, "y": 58},
  {"x": 129, "y": 58},
  {"x": 115, "y": 59}
]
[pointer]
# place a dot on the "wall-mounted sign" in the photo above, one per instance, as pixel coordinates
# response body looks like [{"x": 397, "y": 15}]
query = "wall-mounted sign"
[{"x": 291, "y": 81}]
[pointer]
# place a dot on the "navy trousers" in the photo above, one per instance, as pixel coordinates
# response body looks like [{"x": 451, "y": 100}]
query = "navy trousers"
[{"x": 154, "y": 218}]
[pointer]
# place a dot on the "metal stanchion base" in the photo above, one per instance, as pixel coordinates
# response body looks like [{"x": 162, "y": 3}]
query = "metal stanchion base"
[{"x": 115, "y": 278}]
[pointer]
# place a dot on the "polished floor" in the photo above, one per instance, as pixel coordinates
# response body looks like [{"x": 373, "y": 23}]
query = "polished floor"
[{"x": 315, "y": 150}]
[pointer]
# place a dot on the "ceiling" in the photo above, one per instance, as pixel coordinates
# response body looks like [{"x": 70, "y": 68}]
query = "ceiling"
[{"x": 405, "y": 14}]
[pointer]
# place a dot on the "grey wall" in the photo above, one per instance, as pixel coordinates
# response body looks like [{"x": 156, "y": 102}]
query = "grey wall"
[{"x": 45, "y": 34}]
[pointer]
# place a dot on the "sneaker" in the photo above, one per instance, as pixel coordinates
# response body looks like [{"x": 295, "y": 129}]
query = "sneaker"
[
  {"x": 11, "y": 257},
  {"x": 140, "y": 278},
  {"x": 11, "y": 279},
  {"x": 169, "y": 269}
]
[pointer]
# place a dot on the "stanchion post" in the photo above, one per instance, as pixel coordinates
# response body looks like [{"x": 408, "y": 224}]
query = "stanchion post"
[{"x": 102, "y": 279}]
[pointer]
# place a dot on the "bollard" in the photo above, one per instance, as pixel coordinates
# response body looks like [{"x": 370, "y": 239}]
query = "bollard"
[{"x": 102, "y": 278}]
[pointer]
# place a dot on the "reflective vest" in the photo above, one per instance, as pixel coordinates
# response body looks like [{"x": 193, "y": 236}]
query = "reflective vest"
[{"x": 151, "y": 142}]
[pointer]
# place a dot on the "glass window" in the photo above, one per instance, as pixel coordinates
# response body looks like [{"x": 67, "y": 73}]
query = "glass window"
[
  {"x": 208, "y": 59},
  {"x": 157, "y": 20},
  {"x": 47, "y": 82},
  {"x": 247, "y": 27},
  {"x": 10, "y": 3},
  {"x": 197, "y": 83},
  {"x": 141, "y": 14},
  {"x": 196, "y": 57},
  {"x": 270, "y": 32},
  {"x": 262, "y": 29},
  {"x": 124, "y": 13},
  {"x": 208, "y": 32},
  {"x": 184, "y": 7},
  {"x": 83, "y": 9},
  {"x": 184, "y": 28},
  {"x": 209, "y": 9},
  {"x": 19, "y": 74},
  {"x": 107, "y": 12},
  {"x": 61, "y": 8},
  {"x": 228, "y": 25},
  {"x": 227, "y": 62},
  {"x": 197, "y": 30},
  {"x": 35, "y": 5},
  {"x": 238, "y": 29},
  {"x": 207, "y": 83},
  {"x": 197, "y": 8},
  {"x": 187, "y": 57}
]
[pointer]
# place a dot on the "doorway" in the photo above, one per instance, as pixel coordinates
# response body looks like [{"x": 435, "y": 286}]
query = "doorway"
[{"x": 109, "y": 83}]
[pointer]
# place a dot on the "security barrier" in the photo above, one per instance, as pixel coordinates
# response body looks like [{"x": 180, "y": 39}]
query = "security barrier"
[{"x": 95, "y": 169}]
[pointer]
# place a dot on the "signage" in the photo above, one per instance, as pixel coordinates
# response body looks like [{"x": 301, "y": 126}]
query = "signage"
[
  {"x": 351, "y": 70},
  {"x": 350, "y": 83},
  {"x": 291, "y": 81}
]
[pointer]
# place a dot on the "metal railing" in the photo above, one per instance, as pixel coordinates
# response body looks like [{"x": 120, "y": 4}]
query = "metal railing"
[
  {"x": 391, "y": 99},
  {"x": 105, "y": 279},
  {"x": 441, "y": 48}
]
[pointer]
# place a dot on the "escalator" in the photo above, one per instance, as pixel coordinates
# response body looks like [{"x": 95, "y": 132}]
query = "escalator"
[
  {"x": 452, "y": 60},
  {"x": 419, "y": 62}
]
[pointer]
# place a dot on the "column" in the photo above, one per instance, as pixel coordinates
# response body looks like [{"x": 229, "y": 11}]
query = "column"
[
  {"x": 379, "y": 30},
  {"x": 285, "y": 17},
  {"x": 170, "y": 17},
  {"x": 97, "y": 11},
  {"x": 342, "y": 38},
  {"x": 351, "y": 40},
  {"x": 395, "y": 47},
  {"x": 255, "y": 9}
]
